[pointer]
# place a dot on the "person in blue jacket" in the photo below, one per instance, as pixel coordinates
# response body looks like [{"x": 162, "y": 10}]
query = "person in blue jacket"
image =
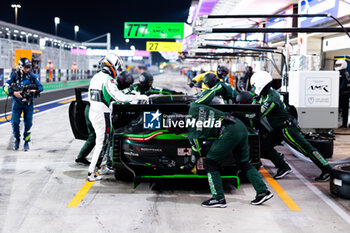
[{"x": 23, "y": 86}]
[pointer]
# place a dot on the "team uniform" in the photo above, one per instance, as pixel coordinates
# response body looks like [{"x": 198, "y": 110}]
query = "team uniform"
[
  {"x": 230, "y": 135},
  {"x": 282, "y": 126}
]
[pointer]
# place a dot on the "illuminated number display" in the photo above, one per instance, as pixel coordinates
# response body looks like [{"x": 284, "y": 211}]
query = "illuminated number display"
[
  {"x": 155, "y": 46},
  {"x": 153, "y": 30}
]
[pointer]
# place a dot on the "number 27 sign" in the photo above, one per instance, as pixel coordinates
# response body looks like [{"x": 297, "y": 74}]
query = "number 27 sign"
[{"x": 154, "y": 30}]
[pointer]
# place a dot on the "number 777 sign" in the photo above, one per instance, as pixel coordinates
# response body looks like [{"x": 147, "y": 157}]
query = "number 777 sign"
[{"x": 154, "y": 30}]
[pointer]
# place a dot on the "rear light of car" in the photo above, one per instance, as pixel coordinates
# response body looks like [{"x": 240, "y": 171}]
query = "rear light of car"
[{"x": 142, "y": 139}]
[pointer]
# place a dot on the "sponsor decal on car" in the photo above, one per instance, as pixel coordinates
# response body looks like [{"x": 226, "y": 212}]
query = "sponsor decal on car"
[
  {"x": 151, "y": 149},
  {"x": 200, "y": 164},
  {"x": 183, "y": 151},
  {"x": 131, "y": 153}
]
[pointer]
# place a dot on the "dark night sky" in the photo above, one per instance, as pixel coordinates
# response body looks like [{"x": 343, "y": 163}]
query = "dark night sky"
[{"x": 94, "y": 18}]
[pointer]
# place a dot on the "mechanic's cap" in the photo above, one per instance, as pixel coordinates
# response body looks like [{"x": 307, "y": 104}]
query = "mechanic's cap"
[
  {"x": 245, "y": 97},
  {"x": 146, "y": 79},
  {"x": 210, "y": 79}
]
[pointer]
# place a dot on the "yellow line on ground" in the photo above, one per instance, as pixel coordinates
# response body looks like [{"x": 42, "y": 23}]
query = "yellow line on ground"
[
  {"x": 279, "y": 190},
  {"x": 67, "y": 101},
  {"x": 81, "y": 194}
]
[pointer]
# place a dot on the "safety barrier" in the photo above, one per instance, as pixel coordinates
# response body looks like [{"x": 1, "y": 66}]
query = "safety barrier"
[{"x": 61, "y": 78}]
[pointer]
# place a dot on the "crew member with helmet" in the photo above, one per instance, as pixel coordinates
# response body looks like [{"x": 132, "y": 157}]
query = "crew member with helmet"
[
  {"x": 282, "y": 126},
  {"x": 105, "y": 87},
  {"x": 221, "y": 73},
  {"x": 90, "y": 142},
  {"x": 144, "y": 87},
  {"x": 283, "y": 169},
  {"x": 217, "y": 88},
  {"x": 344, "y": 90},
  {"x": 23, "y": 86},
  {"x": 232, "y": 133}
]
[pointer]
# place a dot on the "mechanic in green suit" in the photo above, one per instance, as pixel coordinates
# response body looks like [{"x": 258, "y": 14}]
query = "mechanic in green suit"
[
  {"x": 217, "y": 88},
  {"x": 145, "y": 86},
  {"x": 282, "y": 126},
  {"x": 267, "y": 152},
  {"x": 230, "y": 133}
]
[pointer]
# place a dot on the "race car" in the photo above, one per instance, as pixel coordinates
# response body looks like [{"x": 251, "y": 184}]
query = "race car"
[{"x": 145, "y": 151}]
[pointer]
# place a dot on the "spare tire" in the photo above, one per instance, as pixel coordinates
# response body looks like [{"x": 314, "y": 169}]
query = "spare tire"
[
  {"x": 340, "y": 181},
  {"x": 323, "y": 144}
]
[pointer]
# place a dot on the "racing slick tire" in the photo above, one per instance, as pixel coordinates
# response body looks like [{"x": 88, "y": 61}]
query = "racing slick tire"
[
  {"x": 121, "y": 173},
  {"x": 340, "y": 181},
  {"x": 323, "y": 144}
]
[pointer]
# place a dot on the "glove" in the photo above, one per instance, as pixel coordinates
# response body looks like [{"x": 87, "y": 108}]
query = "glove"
[{"x": 191, "y": 84}]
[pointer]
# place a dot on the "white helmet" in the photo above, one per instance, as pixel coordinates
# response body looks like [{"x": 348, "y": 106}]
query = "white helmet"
[
  {"x": 259, "y": 80},
  {"x": 340, "y": 64},
  {"x": 112, "y": 64}
]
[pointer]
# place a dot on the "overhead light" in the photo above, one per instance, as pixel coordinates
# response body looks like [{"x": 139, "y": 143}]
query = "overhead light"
[
  {"x": 16, "y": 31},
  {"x": 35, "y": 35},
  {"x": 57, "y": 20},
  {"x": 30, "y": 34},
  {"x": 76, "y": 28},
  {"x": 23, "y": 33}
]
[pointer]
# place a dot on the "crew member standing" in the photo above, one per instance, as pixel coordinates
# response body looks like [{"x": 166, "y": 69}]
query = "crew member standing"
[
  {"x": 105, "y": 86},
  {"x": 344, "y": 90},
  {"x": 49, "y": 71},
  {"x": 23, "y": 85}
]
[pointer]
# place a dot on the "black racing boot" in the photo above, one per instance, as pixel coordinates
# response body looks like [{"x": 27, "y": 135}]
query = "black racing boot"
[
  {"x": 282, "y": 172},
  {"x": 82, "y": 161},
  {"x": 325, "y": 176},
  {"x": 262, "y": 197},
  {"x": 214, "y": 203}
]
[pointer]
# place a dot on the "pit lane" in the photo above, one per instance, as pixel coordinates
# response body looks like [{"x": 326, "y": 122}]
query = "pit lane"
[{"x": 38, "y": 185}]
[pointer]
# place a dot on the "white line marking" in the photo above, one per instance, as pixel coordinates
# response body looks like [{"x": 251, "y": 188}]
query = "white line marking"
[{"x": 339, "y": 210}]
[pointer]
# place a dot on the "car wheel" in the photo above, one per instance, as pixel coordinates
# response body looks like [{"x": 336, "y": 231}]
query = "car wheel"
[
  {"x": 340, "y": 181},
  {"x": 121, "y": 173},
  {"x": 324, "y": 146}
]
